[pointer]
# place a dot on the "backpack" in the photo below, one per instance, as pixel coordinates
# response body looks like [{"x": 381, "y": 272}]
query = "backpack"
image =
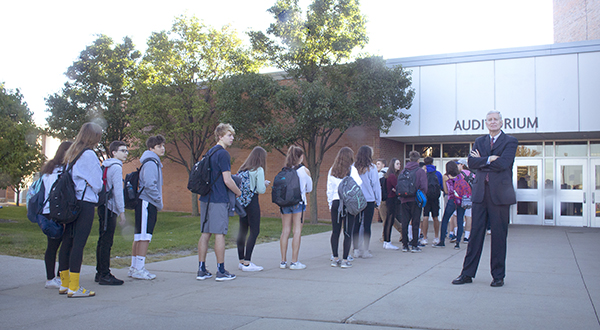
[
  {"x": 433, "y": 186},
  {"x": 35, "y": 199},
  {"x": 247, "y": 193},
  {"x": 461, "y": 189},
  {"x": 469, "y": 178},
  {"x": 104, "y": 195},
  {"x": 199, "y": 181},
  {"x": 420, "y": 198},
  {"x": 64, "y": 205},
  {"x": 407, "y": 183},
  {"x": 351, "y": 196},
  {"x": 131, "y": 192},
  {"x": 383, "y": 184},
  {"x": 286, "y": 188}
]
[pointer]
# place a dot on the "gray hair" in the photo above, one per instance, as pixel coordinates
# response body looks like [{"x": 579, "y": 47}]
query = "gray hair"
[{"x": 494, "y": 111}]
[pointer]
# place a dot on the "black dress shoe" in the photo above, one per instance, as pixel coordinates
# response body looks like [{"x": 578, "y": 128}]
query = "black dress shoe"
[
  {"x": 462, "y": 279},
  {"x": 109, "y": 279},
  {"x": 97, "y": 277},
  {"x": 497, "y": 282}
]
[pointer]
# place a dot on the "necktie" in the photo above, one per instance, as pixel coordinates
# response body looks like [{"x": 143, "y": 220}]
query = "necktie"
[{"x": 487, "y": 175}]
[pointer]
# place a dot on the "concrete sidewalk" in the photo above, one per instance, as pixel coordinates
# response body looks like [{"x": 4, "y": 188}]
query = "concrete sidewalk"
[{"x": 552, "y": 282}]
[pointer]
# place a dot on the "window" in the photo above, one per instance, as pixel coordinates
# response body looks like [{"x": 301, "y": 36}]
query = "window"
[{"x": 458, "y": 150}]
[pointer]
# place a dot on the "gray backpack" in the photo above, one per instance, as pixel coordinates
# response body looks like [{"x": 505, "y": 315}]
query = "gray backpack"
[{"x": 351, "y": 196}]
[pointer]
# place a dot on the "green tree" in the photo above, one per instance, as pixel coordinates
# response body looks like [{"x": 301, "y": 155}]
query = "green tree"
[
  {"x": 327, "y": 93},
  {"x": 20, "y": 150},
  {"x": 175, "y": 87},
  {"x": 99, "y": 89}
]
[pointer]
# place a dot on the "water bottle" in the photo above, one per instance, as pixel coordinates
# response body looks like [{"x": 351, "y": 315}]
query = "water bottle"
[{"x": 130, "y": 192}]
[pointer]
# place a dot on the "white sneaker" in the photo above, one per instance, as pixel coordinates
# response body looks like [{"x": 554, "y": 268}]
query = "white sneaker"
[
  {"x": 130, "y": 272},
  {"x": 53, "y": 283},
  {"x": 81, "y": 292},
  {"x": 357, "y": 253},
  {"x": 143, "y": 274},
  {"x": 350, "y": 258},
  {"x": 283, "y": 265},
  {"x": 252, "y": 268},
  {"x": 297, "y": 265},
  {"x": 367, "y": 254},
  {"x": 240, "y": 266},
  {"x": 390, "y": 246},
  {"x": 436, "y": 241},
  {"x": 424, "y": 241}
]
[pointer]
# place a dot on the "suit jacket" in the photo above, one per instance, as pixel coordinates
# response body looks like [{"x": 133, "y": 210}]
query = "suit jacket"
[{"x": 500, "y": 171}]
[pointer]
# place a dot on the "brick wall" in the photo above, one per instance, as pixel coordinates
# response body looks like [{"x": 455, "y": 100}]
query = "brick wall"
[{"x": 576, "y": 20}]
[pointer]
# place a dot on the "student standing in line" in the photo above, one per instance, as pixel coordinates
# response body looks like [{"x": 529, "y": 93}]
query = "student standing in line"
[
  {"x": 453, "y": 204},
  {"x": 372, "y": 191},
  {"x": 116, "y": 207},
  {"x": 291, "y": 216},
  {"x": 149, "y": 203},
  {"x": 381, "y": 170},
  {"x": 87, "y": 176},
  {"x": 392, "y": 204},
  {"x": 50, "y": 172},
  {"x": 341, "y": 168},
  {"x": 255, "y": 164},
  {"x": 214, "y": 210}
]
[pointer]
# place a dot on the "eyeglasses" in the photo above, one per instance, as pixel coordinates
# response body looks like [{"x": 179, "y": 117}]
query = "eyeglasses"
[{"x": 124, "y": 150}]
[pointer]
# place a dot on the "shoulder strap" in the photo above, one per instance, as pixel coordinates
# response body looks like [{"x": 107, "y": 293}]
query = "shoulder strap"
[{"x": 71, "y": 164}]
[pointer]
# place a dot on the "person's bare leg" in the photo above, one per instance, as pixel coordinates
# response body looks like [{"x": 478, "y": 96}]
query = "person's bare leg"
[
  {"x": 296, "y": 218},
  {"x": 203, "y": 246},
  {"x": 220, "y": 248},
  {"x": 286, "y": 228}
]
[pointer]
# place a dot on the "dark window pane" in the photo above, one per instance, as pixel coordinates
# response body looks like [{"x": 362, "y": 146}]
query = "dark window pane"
[
  {"x": 458, "y": 150},
  {"x": 409, "y": 148},
  {"x": 549, "y": 209},
  {"x": 428, "y": 150},
  {"x": 527, "y": 208},
  {"x": 574, "y": 209}
]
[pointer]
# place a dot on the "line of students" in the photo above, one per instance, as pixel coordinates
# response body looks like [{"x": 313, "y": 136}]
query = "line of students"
[{"x": 87, "y": 177}]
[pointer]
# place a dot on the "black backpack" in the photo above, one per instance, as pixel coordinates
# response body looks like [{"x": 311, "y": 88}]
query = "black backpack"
[
  {"x": 469, "y": 178},
  {"x": 199, "y": 181},
  {"x": 105, "y": 194},
  {"x": 433, "y": 186},
  {"x": 64, "y": 205},
  {"x": 131, "y": 192},
  {"x": 407, "y": 183},
  {"x": 286, "y": 188},
  {"x": 383, "y": 184}
]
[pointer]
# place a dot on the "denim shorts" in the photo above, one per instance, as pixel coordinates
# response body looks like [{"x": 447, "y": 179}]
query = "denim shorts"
[{"x": 300, "y": 207}]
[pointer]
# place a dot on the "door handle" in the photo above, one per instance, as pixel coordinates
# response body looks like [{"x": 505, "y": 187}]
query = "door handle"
[
  {"x": 593, "y": 198},
  {"x": 584, "y": 198}
]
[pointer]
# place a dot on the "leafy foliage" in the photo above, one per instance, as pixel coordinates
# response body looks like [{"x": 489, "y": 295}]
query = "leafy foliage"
[{"x": 19, "y": 148}]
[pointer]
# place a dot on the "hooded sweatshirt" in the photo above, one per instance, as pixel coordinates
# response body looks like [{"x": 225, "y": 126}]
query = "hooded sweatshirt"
[
  {"x": 87, "y": 172},
  {"x": 114, "y": 181},
  {"x": 421, "y": 180},
  {"x": 431, "y": 168},
  {"x": 151, "y": 179}
]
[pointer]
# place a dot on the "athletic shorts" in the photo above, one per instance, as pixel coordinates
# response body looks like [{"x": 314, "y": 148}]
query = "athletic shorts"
[
  {"x": 218, "y": 218},
  {"x": 145, "y": 220},
  {"x": 300, "y": 207},
  {"x": 433, "y": 207}
]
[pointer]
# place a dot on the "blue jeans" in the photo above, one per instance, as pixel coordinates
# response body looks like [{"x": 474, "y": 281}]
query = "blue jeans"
[{"x": 460, "y": 215}]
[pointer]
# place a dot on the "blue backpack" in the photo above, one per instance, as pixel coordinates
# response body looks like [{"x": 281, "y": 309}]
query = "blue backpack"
[
  {"x": 35, "y": 206},
  {"x": 247, "y": 193}
]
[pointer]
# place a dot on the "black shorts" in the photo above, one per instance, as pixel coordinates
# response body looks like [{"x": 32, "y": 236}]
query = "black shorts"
[
  {"x": 433, "y": 207},
  {"x": 145, "y": 220}
]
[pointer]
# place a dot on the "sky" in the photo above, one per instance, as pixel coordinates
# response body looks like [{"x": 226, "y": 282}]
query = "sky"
[{"x": 40, "y": 39}]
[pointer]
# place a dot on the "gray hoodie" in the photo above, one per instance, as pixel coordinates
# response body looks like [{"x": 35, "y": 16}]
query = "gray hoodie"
[
  {"x": 151, "y": 179},
  {"x": 114, "y": 181}
]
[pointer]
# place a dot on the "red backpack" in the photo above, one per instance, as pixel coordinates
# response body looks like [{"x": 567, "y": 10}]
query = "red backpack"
[{"x": 461, "y": 188}]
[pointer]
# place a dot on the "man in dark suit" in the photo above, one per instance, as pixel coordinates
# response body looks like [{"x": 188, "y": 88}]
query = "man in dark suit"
[{"x": 492, "y": 157}]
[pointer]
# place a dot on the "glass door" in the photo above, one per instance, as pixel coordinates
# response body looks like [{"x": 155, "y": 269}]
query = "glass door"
[
  {"x": 595, "y": 193},
  {"x": 571, "y": 207},
  {"x": 527, "y": 178}
]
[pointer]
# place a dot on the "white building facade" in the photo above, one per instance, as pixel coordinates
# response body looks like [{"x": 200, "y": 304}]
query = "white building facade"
[{"x": 549, "y": 97}]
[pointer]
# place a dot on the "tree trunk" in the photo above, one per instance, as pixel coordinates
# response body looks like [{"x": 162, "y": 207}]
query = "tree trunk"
[
  {"x": 195, "y": 212},
  {"x": 18, "y": 196},
  {"x": 314, "y": 173}
]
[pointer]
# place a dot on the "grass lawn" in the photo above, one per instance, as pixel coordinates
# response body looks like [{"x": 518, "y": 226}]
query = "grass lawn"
[{"x": 175, "y": 235}]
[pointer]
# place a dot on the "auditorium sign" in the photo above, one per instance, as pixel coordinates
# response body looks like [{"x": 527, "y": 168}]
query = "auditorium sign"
[{"x": 524, "y": 123}]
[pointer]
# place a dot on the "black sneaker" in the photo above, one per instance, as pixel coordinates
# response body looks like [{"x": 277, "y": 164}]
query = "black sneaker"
[
  {"x": 109, "y": 279},
  {"x": 97, "y": 277},
  {"x": 415, "y": 249},
  {"x": 203, "y": 274},
  {"x": 225, "y": 276},
  {"x": 457, "y": 246},
  {"x": 440, "y": 244}
]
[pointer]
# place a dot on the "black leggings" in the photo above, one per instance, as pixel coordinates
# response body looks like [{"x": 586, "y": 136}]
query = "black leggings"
[
  {"x": 75, "y": 238},
  {"x": 250, "y": 221},
  {"x": 367, "y": 218},
  {"x": 50, "y": 256},
  {"x": 393, "y": 207},
  {"x": 348, "y": 222}
]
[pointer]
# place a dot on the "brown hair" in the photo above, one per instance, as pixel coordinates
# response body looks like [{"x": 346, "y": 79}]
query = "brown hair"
[
  {"x": 58, "y": 159},
  {"x": 392, "y": 168},
  {"x": 341, "y": 164},
  {"x": 452, "y": 168},
  {"x": 88, "y": 137},
  {"x": 293, "y": 156},
  {"x": 257, "y": 158},
  {"x": 114, "y": 147},
  {"x": 364, "y": 159},
  {"x": 153, "y": 141}
]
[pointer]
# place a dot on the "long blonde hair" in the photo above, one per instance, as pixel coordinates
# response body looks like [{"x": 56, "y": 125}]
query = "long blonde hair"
[{"x": 88, "y": 137}]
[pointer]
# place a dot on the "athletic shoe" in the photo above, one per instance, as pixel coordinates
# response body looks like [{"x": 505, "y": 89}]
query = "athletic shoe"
[
  {"x": 423, "y": 241},
  {"x": 331, "y": 258},
  {"x": 224, "y": 276},
  {"x": 466, "y": 240},
  {"x": 53, "y": 283},
  {"x": 405, "y": 249},
  {"x": 252, "y": 268},
  {"x": 130, "y": 272},
  {"x": 203, "y": 274},
  {"x": 350, "y": 257},
  {"x": 240, "y": 266},
  {"x": 415, "y": 249},
  {"x": 283, "y": 265},
  {"x": 436, "y": 240},
  {"x": 109, "y": 279},
  {"x": 346, "y": 264},
  {"x": 457, "y": 246},
  {"x": 81, "y": 292},
  {"x": 367, "y": 254},
  {"x": 297, "y": 265},
  {"x": 336, "y": 263},
  {"x": 389, "y": 246},
  {"x": 143, "y": 274},
  {"x": 453, "y": 239},
  {"x": 439, "y": 244},
  {"x": 357, "y": 253},
  {"x": 63, "y": 290}
]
